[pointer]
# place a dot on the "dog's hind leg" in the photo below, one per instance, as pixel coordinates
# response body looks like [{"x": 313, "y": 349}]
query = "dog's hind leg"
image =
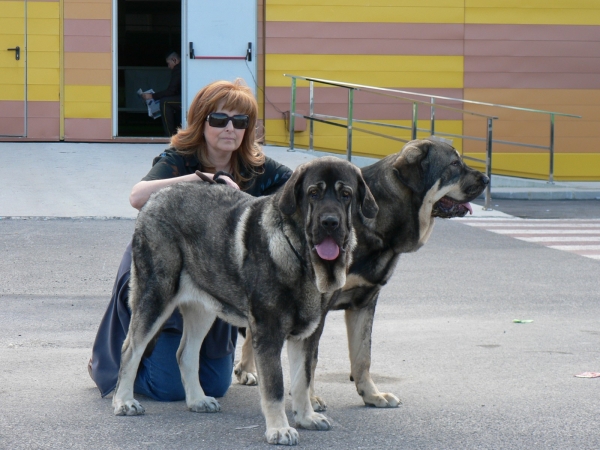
[
  {"x": 245, "y": 370},
  {"x": 141, "y": 331},
  {"x": 196, "y": 324},
  {"x": 359, "y": 325},
  {"x": 300, "y": 354}
]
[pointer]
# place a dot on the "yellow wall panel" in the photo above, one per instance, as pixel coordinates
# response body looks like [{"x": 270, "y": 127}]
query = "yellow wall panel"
[
  {"x": 12, "y": 9},
  {"x": 39, "y": 60},
  {"x": 535, "y": 16},
  {"x": 74, "y": 93},
  {"x": 540, "y": 4},
  {"x": 373, "y": 70},
  {"x": 43, "y": 76},
  {"x": 12, "y": 75},
  {"x": 333, "y": 139},
  {"x": 43, "y": 93},
  {"x": 364, "y": 13},
  {"x": 42, "y": 10},
  {"x": 43, "y": 43},
  {"x": 88, "y": 110},
  {"x": 386, "y": 3},
  {"x": 12, "y": 25},
  {"x": 12, "y": 91},
  {"x": 43, "y": 26}
]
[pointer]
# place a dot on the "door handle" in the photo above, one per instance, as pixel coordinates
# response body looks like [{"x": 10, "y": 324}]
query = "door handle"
[{"x": 17, "y": 51}]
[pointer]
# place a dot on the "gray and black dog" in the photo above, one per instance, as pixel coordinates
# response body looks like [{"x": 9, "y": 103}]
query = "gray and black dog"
[
  {"x": 268, "y": 263},
  {"x": 426, "y": 179}
]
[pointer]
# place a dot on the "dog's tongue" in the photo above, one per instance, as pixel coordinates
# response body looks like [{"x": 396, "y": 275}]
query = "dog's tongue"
[
  {"x": 468, "y": 206},
  {"x": 328, "y": 249}
]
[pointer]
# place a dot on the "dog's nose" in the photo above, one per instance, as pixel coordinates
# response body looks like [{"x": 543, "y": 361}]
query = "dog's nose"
[
  {"x": 330, "y": 223},
  {"x": 485, "y": 180}
]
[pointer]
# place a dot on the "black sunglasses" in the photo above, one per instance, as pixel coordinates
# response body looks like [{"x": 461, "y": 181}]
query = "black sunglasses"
[{"x": 220, "y": 120}]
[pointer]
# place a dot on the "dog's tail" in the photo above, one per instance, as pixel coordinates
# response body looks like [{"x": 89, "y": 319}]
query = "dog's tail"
[{"x": 151, "y": 345}]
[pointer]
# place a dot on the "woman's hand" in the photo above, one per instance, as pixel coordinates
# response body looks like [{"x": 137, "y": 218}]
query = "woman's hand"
[{"x": 226, "y": 179}]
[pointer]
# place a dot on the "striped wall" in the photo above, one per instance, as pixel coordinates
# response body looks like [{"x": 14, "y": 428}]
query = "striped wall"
[
  {"x": 12, "y": 83},
  {"x": 43, "y": 69},
  {"x": 531, "y": 53},
  {"x": 40, "y": 98},
  {"x": 87, "y": 69}
]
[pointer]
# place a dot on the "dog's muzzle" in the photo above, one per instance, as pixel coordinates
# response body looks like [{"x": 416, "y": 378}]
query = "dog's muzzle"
[{"x": 448, "y": 208}]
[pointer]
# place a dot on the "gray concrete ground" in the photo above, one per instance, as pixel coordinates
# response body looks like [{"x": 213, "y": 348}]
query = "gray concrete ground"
[{"x": 444, "y": 338}]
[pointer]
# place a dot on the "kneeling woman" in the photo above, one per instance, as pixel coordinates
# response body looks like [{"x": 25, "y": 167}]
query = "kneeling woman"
[{"x": 220, "y": 137}]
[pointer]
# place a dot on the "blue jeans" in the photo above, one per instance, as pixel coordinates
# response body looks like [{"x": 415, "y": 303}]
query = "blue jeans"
[{"x": 159, "y": 377}]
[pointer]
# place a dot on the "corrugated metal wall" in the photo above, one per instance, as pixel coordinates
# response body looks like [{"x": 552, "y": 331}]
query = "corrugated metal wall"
[
  {"x": 533, "y": 53},
  {"x": 541, "y": 54}
]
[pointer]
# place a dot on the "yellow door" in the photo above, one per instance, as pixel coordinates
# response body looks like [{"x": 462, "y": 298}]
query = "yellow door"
[{"x": 12, "y": 69}]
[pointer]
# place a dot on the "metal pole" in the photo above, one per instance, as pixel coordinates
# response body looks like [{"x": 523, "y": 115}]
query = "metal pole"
[
  {"x": 413, "y": 134},
  {"x": 432, "y": 116},
  {"x": 551, "y": 174},
  {"x": 349, "y": 129},
  {"x": 292, "y": 115},
  {"x": 488, "y": 167},
  {"x": 311, "y": 110}
]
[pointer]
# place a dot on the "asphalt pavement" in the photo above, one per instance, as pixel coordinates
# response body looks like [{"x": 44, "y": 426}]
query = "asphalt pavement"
[{"x": 444, "y": 339}]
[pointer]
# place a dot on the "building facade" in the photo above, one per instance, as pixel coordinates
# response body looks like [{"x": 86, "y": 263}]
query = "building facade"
[{"x": 81, "y": 61}]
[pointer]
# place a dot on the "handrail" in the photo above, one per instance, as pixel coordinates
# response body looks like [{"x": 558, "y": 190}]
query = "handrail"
[{"x": 312, "y": 117}]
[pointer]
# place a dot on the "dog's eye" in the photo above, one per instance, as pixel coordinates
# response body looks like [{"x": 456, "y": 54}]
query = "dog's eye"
[
  {"x": 313, "y": 194},
  {"x": 346, "y": 195},
  {"x": 455, "y": 163}
]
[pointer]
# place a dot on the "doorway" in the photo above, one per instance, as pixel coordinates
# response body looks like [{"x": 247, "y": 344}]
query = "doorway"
[{"x": 147, "y": 31}]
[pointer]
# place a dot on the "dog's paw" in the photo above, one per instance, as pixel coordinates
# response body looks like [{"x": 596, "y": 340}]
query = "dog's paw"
[
  {"x": 245, "y": 378},
  {"x": 207, "y": 404},
  {"x": 315, "y": 421},
  {"x": 318, "y": 404},
  {"x": 282, "y": 436},
  {"x": 382, "y": 400},
  {"x": 128, "y": 408}
]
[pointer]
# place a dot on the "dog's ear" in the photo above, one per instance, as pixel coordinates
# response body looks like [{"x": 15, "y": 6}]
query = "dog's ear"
[
  {"x": 412, "y": 164},
  {"x": 368, "y": 205},
  {"x": 288, "y": 202}
]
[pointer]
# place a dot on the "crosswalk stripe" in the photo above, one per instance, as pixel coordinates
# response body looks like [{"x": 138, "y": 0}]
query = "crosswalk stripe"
[
  {"x": 579, "y": 236},
  {"x": 541, "y": 231}
]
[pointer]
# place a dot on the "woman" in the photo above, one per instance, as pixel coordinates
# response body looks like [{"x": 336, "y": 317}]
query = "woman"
[{"x": 220, "y": 137}]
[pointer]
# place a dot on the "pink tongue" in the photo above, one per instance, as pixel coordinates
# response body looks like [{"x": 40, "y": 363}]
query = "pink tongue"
[
  {"x": 468, "y": 206},
  {"x": 328, "y": 249}
]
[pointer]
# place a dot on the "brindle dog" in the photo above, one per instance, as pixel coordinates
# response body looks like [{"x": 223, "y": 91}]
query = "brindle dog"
[{"x": 426, "y": 179}]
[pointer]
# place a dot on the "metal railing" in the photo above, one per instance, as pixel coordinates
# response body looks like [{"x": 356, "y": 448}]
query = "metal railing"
[{"x": 399, "y": 94}]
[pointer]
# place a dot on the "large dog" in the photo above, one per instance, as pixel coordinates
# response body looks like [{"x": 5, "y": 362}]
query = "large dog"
[
  {"x": 426, "y": 179},
  {"x": 268, "y": 263}
]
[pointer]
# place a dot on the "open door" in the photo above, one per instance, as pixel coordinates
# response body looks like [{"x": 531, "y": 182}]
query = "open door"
[
  {"x": 147, "y": 30},
  {"x": 13, "y": 106},
  {"x": 218, "y": 43}
]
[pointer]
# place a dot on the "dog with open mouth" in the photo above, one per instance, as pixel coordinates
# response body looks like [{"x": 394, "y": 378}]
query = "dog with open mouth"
[
  {"x": 425, "y": 180},
  {"x": 269, "y": 263}
]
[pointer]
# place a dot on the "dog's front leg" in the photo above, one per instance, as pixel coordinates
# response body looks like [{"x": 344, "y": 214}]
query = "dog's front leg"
[
  {"x": 196, "y": 324},
  {"x": 245, "y": 370},
  {"x": 359, "y": 325},
  {"x": 301, "y": 355},
  {"x": 267, "y": 351}
]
